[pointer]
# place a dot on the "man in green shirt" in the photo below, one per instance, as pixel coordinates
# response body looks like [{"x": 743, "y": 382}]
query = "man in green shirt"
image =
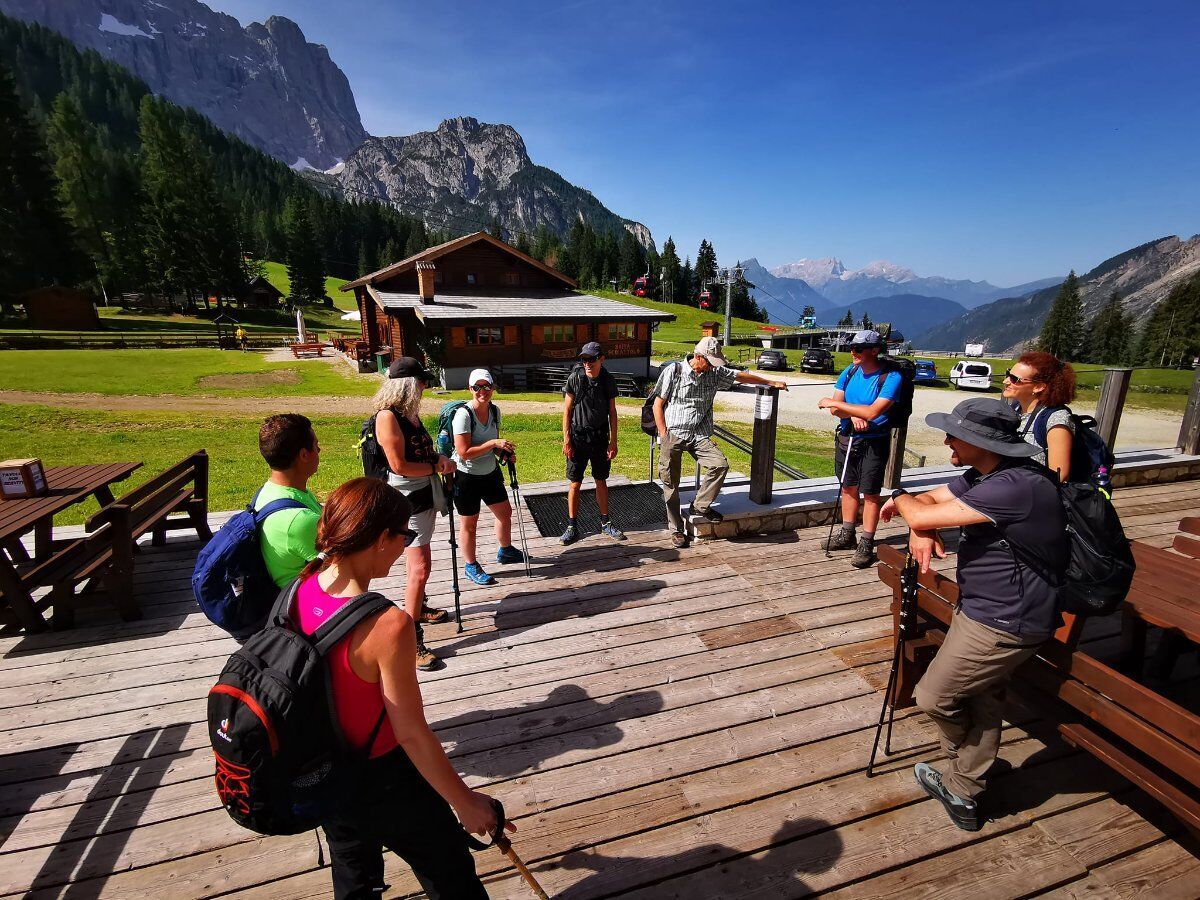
[{"x": 289, "y": 537}]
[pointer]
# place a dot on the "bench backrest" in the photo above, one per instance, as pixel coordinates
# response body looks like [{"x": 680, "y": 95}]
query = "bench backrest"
[
  {"x": 1187, "y": 541},
  {"x": 159, "y": 491}
]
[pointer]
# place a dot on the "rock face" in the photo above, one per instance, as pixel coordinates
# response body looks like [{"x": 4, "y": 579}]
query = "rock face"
[
  {"x": 784, "y": 299},
  {"x": 264, "y": 83},
  {"x": 1142, "y": 276},
  {"x": 466, "y": 174}
]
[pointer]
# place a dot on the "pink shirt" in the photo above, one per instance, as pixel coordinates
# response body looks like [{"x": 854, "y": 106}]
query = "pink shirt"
[{"x": 358, "y": 702}]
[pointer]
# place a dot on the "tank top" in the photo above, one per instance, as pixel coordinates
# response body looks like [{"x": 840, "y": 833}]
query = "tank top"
[{"x": 358, "y": 703}]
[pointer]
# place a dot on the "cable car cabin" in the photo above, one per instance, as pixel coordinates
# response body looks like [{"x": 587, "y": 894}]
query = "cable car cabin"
[
  {"x": 641, "y": 287},
  {"x": 477, "y": 301},
  {"x": 706, "y": 300}
]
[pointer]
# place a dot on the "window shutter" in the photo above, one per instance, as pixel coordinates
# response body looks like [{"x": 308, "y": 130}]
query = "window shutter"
[
  {"x": 536, "y": 333},
  {"x": 643, "y": 331},
  {"x": 458, "y": 337},
  {"x": 510, "y": 335}
]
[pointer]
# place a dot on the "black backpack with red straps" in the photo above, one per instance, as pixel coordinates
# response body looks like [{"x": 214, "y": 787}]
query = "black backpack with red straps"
[{"x": 283, "y": 765}]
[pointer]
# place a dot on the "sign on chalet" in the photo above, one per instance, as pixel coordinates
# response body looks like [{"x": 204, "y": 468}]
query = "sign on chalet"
[{"x": 477, "y": 301}]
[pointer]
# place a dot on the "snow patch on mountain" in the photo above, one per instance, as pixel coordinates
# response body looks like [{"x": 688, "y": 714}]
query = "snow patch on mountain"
[{"x": 113, "y": 25}]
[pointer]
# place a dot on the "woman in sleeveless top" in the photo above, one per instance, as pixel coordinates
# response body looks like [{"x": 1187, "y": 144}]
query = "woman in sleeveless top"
[
  {"x": 414, "y": 463},
  {"x": 1039, "y": 386},
  {"x": 410, "y": 786}
]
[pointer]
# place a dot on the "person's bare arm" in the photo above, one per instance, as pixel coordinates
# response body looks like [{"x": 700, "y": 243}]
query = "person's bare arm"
[
  {"x": 660, "y": 416},
  {"x": 391, "y": 441},
  {"x": 751, "y": 378},
  {"x": 939, "y": 494},
  {"x": 844, "y": 410},
  {"x": 466, "y": 450},
  {"x": 950, "y": 513},
  {"x": 1058, "y": 451},
  {"x": 612, "y": 427},
  {"x": 568, "y": 405}
]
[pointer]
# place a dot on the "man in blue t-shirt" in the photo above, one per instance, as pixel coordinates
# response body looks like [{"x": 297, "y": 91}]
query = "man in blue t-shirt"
[{"x": 864, "y": 393}]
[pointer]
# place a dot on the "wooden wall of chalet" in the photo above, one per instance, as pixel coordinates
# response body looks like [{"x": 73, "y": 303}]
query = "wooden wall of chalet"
[
  {"x": 61, "y": 308},
  {"x": 528, "y": 344},
  {"x": 494, "y": 271}
]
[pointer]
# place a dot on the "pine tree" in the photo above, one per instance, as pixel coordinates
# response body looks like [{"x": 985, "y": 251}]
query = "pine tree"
[
  {"x": 670, "y": 268},
  {"x": 1108, "y": 338},
  {"x": 706, "y": 264},
  {"x": 1062, "y": 332},
  {"x": 632, "y": 260},
  {"x": 523, "y": 243},
  {"x": 306, "y": 272},
  {"x": 687, "y": 288},
  {"x": 847, "y": 321},
  {"x": 418, "y": 240},
  {"x": 37, "y": 244},
  {"x": 809, "y": 311},
  {"x": 1172, "y": 335},
  {"x": 865, "y": 323}
]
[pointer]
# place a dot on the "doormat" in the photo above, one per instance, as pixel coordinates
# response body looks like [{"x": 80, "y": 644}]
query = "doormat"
[{"x": 630, "y": 506}]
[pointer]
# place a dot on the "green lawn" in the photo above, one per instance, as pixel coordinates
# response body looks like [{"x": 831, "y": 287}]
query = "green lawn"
[
  {"x": 161, "y": 439},
  {"x": 221, "y": 373}
]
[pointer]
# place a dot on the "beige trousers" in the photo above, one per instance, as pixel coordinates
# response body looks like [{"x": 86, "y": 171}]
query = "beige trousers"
[
  {"x": 714, "y": 468},
  {"x": 963, "y": 692}
]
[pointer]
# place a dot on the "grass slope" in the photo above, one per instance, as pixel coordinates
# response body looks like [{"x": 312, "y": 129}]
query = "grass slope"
[{"x": 276, "y": 273}]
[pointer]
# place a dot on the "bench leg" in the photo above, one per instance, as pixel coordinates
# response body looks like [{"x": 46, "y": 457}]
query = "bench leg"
[
  {"x": 20, "y": 601},
  {"x": 62, "y": 600},
  {"x": 158, "y": 537},
  {"x": 198, "y": 514},
  {"x": 120, "y": 589}
]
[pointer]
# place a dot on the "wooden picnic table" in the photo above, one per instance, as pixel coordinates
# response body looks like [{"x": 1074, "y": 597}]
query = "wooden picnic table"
[{"x": 67, "y": 485}]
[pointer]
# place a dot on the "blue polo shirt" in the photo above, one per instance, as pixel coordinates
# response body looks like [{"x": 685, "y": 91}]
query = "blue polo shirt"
[{"x": 862, "y": 389}]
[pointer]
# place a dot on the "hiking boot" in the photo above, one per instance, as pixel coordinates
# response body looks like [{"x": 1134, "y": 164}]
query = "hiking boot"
[
  {"x": 569, "y": 536},
  {"x": 612, "y": 531},
  {"x": 426, "y": 661},
  {"x": 864, "y": 553},
  {"x": 509, "y": 554},
  {"x": 431, "y": 615},
  {"x": 963, "y": 812},
  {"x": 843, "y": 539},
  {"x": 679, "y": 540},
  {"x": 475, "y": 572},
  {"x": 709, "y": 514}
]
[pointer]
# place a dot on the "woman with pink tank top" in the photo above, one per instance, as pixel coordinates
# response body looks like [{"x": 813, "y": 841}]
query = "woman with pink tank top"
[{"x": 411, "y": 786}]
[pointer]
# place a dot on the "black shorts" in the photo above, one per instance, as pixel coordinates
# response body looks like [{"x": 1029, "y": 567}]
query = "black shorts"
[
  {"x": 868, "y": 459},
  {"x": 471, "y": 490},
  {"x": 584, "y": 451}
]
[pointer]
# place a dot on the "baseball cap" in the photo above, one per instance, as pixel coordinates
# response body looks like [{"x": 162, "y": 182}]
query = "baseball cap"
[
  {"x": 592, "y": 348},
  {"x": 710, "y": 349},
  {"x": 478, "y": 375},
  {"x": 866, "y": 339},
  {"x": 408, "y": 367}
]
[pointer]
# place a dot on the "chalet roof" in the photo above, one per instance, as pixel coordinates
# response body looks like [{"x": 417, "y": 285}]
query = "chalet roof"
[
  {"x": 255, "y": 284},
  {"x": 431, "y": 253},
  {"x": 526, "y": 305}
]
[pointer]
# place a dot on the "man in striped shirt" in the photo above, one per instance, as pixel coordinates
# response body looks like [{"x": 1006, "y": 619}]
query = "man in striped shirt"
[{"x": 683, "y": 411}]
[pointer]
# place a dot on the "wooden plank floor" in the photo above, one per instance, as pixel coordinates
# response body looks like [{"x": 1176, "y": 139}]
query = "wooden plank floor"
[{"x": 659, "y": 723}]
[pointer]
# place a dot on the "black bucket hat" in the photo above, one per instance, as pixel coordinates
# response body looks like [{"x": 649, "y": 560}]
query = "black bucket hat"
[{"x": 986, "y": 423}]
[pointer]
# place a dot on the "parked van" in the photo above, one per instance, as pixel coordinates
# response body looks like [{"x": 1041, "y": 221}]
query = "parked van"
[{"x": 974, "y": 375}]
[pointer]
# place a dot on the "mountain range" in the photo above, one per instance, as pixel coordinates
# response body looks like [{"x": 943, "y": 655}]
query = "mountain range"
[{"x": 909, "y": 314}]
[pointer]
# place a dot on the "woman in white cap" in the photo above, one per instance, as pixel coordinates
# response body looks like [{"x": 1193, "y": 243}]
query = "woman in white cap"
[{"x": 477, "y": 444}]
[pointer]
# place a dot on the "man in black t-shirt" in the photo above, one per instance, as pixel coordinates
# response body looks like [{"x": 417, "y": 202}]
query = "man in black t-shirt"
[
  {"x": 1010, "y": 555},
  {"x": 590, "y": 436}
]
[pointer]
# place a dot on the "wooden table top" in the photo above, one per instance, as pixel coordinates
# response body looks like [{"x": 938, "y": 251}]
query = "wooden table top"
[{"x": 68, "y": 485}]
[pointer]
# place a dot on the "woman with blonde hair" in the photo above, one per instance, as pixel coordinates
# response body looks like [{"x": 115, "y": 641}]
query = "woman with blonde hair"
[
  {"x": 409, "y": 786},
  {"x": 1040, "y": 385},
  {"x": 414, "y": 464}
]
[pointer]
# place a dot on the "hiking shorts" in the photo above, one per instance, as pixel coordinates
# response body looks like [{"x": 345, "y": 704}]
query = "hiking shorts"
[
  {"x": 868, "y": 459},
  {"x": 585, "y": 451},
  {"x": 470, "y": 491}
]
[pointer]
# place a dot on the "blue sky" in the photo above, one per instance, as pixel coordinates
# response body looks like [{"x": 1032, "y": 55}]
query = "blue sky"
[{"x": 1007, "y": 141}]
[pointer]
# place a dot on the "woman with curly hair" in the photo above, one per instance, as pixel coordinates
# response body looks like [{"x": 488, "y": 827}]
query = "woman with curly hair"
[
  {"x": 413, "y": 463},
  {"x": 1040, "y": 385}
]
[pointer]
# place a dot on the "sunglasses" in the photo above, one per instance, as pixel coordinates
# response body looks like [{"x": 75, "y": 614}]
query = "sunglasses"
[
  {"x": 1014, "y": 379},
  {"x": 409, "y": 536},
  {"x": 859, "y": 348},
  {"x": 588, "y": 359},
  {"x": 481, "y": 387}
]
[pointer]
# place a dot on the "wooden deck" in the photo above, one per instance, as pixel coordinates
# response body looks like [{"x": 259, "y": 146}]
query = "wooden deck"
[{"x": 659, "y": 723}]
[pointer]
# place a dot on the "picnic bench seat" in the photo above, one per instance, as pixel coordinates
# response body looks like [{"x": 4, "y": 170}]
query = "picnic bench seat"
[
  {"x": 1187, "y": 541},
  {"x": 307, "y": 348},
  {"x": 1147, "y": 738}
]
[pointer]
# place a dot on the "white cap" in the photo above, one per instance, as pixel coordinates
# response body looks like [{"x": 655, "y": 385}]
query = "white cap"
[{"x": 478, "y": 375}]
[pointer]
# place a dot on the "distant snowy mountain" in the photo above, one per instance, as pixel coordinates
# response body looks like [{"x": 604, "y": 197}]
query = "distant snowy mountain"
[
  {"x": 909, "y": 314},
  {"x": 784, "y": 299}
]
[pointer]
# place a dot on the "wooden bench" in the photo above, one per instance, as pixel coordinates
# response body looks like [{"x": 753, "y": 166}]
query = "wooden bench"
[
  {"x": 1187, "y": 541},
  {"x": 1150, "y": 740},
  {"x": 305, "y": 349}
]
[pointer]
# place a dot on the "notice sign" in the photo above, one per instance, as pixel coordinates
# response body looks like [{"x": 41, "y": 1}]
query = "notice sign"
[
  {"x": 764, "y": 405},
  {"x": 21, "y": 478}
]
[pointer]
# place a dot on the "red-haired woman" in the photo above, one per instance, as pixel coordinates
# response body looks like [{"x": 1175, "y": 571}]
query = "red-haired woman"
[
  {"x": 1040, "y": 386},
  {"x": 411, "y": 785}
]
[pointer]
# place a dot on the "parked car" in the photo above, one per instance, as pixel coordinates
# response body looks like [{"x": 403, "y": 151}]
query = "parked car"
[
  {"x": 974, "y": 375},
  {"x": 772, "y": 359},
  {"x": 817, "y": 360},
  {"x": 926, "y": 372}
]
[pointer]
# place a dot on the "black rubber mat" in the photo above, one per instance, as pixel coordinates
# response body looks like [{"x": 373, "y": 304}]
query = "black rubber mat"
[{"x": 630, "y": 506}]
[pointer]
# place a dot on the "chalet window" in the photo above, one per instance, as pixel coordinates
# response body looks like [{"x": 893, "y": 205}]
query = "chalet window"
[
  {"x": 558, "y": 334},
  {"x": 471, "y": 279},
  {"x": 512, "y": 279},
  {"x": 622, "y": 331},
  {"x": 481, "y": 337}
]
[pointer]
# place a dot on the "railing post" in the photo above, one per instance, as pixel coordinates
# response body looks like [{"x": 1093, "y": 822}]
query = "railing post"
[
  {"x": 1112, "y": 403},
  {"x": 762, "y": 457},
  {"x": 895, "y": 464},
  {"x": 1189, "y": 432}
]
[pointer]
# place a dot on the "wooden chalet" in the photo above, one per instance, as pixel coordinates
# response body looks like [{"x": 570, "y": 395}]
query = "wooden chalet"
[
  {"x": 477, "y": 301},
  {"x": 61, "y": 308},
  {"x": 259, "y": 293}
]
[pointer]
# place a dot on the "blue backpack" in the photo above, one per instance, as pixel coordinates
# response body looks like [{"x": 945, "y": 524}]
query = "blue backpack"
[
  {"x": 1091, "y": 459},
  {"x": 231, "y": 582}
]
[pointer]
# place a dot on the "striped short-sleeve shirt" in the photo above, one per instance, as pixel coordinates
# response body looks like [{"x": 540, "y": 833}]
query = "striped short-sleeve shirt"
[{"x": 689, "y": 395}]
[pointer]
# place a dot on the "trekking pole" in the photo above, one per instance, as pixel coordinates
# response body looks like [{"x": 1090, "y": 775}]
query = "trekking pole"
[
  {"x": 448, "y": 488},
  {"x": 516, "y": 489},
  {"x": 501, "y": 842},
  {"x": 909, "y": 628},
  {"x": 841, "y": 485}
]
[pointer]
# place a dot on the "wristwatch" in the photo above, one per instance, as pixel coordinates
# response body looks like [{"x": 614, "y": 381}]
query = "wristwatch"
[{"x": 897, "y": 492}]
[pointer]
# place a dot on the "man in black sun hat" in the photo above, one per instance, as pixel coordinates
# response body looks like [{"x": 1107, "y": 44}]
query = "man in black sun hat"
[{"x": 1008, "y": 603}]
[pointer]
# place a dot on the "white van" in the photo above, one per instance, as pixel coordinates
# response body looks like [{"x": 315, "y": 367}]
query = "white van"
[{"x": 975, "y": 375}]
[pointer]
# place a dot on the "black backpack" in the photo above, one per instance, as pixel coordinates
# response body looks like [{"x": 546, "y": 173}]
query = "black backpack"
[
  {"x": 901, "y": 409},
  {"x": 374, "y": 460},
  {"x": 282, "y": 762},
  {"x": 1089, "y": 453},
  {"x": 649, "y": 425}
]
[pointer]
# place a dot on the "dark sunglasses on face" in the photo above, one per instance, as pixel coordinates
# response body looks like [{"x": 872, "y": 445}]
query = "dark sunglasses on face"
[
  {"x": 589, "y": 359},
  {"x": 409, "y": 536},
  {"x": 1014, "y": 379},
  {"x": 859, "y": 348},
  {"x": 481, "y": 387}
]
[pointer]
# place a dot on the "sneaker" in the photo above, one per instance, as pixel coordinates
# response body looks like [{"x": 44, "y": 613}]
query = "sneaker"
[
  {"x": 569, "y": 536},
  {"x": 679, "y": 540},
  {"x": 843, "y": 539},
  {"x": 475, "y": 572},
  {"x": 612, "y": 531},
  {"x": 426, "y": 661},
  {"x": 431, "y": 615},
  {"x": 963, "y": 812},
  {"x": 864, "y": 553},
  {"x": 509, "y": 554},
  {"x": 710, "y": 514}
]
